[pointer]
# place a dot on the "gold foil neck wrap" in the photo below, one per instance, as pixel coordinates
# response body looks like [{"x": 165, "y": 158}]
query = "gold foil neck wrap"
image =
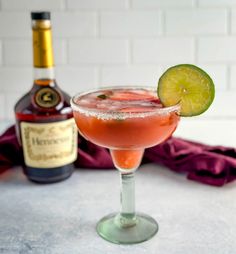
[{"x": 42, "y": 45}]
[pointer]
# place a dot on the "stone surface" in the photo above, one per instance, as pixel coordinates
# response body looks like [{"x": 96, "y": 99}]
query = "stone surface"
[{"x": 61, "y": 218}]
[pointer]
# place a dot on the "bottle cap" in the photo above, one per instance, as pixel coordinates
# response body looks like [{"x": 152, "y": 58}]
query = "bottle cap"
[{"x": 44, "y": 15}]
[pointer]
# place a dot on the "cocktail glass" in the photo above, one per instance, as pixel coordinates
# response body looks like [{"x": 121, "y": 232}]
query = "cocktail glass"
[{"x": 126, "y": 120}]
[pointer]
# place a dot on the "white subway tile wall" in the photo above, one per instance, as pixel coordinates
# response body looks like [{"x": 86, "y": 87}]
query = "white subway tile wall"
[
  {"x": 217, "y": 49},
  {"x": 74, "y": 24},
  {"x": 14, "y": 24},
  {"x": 0, "y": 53},
  {"x": 2, "y": 106},
  {"x": 15, "y": 79},
  {"x": 233, "y": 78},
  {"x": 146, "y": 75},
  {"x": 131, "y": 24},
  {"x": 74, "y": 79},
  {"x": 171, "y": 50},
  {"x": 98, "y": 51},
  {"x": 97, "y": 4},
  {"x": 121, "y": 42},
  {"x": 28, "y": 5},
  {"x": 218, "y": 3},
  {"x": 19, "y": 52},
  {"x": 196, "y": 22},
  {"x": 162, "y": 3}
]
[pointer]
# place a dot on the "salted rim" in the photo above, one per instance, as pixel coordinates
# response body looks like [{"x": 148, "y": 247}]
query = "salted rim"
[{"x": 98, "y": 113}]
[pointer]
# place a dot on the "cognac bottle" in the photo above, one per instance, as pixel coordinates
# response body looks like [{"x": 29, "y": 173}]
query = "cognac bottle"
[{"x": 44, "y": 120}]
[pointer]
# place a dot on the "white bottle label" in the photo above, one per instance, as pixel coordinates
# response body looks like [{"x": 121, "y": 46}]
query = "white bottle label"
[{"x": 49, "y": 145}]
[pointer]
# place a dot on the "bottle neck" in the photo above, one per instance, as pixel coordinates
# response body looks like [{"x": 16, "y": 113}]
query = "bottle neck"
[{"x": 43, "y": 50}]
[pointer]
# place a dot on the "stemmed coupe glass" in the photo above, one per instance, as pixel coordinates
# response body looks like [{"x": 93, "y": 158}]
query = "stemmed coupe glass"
[{"x": 126, "y": 120}]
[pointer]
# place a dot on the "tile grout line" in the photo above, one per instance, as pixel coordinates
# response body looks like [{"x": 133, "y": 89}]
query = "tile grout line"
[
  {"x": 163, "y": 23},
  {"x": 3, "y": 53},
  {"x": 229, "y": 33},
  {"x": 195, "y": 49},
  {"x": 98, "y": 24},
  {"x": 129, "y": 5},
  {"x": 130, "y": 52},
  {"x": 64, "y": 5},
  {"x": 228, "y": 77},
  {"x": 67, "y": 50},
  {"x": 229, "y": 22}
]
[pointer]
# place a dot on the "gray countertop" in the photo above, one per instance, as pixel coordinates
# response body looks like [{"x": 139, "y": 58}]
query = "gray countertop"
[{"x": 61, "y": 218}]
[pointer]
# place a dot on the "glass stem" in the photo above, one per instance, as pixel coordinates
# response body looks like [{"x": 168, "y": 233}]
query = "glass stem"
[{"x": 127, "y": 217}]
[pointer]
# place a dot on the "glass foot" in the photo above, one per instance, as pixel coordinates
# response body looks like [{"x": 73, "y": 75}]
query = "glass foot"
[{"x": 142, "y": 228}]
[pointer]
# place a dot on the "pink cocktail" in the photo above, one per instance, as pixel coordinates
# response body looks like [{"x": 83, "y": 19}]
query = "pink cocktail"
[{"x": 126, "y": 120}]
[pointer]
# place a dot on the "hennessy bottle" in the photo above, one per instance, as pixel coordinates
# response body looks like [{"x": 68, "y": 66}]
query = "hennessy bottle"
[{"x": 44, "y": 120}]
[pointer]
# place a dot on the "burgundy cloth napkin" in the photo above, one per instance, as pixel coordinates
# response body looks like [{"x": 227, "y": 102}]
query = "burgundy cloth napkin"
[{"x": 213, "y": 165}]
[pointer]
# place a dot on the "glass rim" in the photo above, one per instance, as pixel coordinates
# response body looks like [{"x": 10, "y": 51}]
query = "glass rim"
[{"x": 113, "y": 113}]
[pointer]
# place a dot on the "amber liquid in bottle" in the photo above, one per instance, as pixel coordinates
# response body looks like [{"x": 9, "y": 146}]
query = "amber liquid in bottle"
[{"x": 44, "y": 120}]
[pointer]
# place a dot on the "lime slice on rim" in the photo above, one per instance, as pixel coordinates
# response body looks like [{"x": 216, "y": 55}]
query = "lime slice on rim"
[{"x": 187, "y": 85}]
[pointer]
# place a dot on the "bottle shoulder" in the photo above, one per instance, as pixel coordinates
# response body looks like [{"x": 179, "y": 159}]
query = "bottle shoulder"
[{"x": 46, "y": 100}]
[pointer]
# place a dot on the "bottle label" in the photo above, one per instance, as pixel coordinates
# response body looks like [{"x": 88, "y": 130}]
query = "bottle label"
[
  {"x": 47, "y": 98},
  {"x": 49, "y": 145}
]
